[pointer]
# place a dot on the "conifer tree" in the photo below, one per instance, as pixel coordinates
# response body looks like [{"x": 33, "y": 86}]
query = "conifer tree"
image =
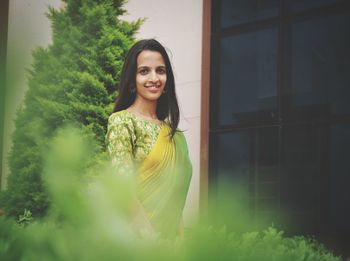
[{"x": 73, "y": 80}]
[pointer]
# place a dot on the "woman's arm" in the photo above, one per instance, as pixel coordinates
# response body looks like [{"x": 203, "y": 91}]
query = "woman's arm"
[{"x": 119, "y": 143}]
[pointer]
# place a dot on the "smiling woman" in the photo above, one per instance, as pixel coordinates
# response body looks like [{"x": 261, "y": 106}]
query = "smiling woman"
[{"x": 143, "y": 136}]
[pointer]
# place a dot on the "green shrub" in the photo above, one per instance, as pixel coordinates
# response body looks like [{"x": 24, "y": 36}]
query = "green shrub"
[
  {"x": 71, "y": 81},
  {"x": 88, "y": 220}
]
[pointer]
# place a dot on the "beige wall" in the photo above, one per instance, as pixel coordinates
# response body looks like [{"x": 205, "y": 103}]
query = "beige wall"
[
  {"x": 28, "y": 27},
  {"x": 178, "y": 25}
]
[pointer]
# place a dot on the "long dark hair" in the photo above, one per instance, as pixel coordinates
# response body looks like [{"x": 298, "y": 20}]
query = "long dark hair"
[{"x": 167, "y": 106}]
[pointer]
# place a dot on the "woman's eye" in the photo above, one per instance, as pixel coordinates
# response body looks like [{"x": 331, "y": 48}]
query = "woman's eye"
[
  {"x": 143, "y": 71},
  {"x": 161, "y": 71}
]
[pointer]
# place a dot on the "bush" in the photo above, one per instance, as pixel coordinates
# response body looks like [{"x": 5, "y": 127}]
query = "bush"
[
  {"x": 88, "y": 220},
  {"x": 71, "y": 81}
]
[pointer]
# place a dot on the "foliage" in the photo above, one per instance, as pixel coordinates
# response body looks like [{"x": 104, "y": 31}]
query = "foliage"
[
  {"x": 71, "y": 81},
  {"x": 26, "y": 218},
  {"x": 88, "y": 220}
]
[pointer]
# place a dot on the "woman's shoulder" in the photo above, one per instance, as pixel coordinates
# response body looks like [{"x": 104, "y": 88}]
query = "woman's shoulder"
[{"x": 120, "y": 119}]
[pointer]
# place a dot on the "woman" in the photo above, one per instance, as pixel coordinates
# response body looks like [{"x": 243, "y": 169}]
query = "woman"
[{"x": 143, "y": 132}]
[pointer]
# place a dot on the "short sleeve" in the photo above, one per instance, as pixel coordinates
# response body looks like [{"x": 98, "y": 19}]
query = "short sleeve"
[{"x": 119, "y": 142}]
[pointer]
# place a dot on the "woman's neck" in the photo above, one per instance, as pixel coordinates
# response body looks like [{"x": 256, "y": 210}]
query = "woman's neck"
[{"x": 145, "y": 108}]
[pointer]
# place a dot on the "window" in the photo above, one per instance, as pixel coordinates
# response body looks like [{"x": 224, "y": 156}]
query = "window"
[{"x": 280, "y": 110}]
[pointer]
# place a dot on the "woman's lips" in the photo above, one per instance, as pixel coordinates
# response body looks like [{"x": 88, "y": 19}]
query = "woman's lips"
[{"x": 153, "y": 88}]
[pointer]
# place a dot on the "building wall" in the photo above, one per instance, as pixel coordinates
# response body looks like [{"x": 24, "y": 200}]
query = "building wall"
[
  {"x": 28, "y": 27},
  {"x": 178, "y": 26}
]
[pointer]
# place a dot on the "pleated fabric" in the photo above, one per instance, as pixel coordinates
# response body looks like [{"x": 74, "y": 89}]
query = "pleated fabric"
[{"x": 163, "y": 181}]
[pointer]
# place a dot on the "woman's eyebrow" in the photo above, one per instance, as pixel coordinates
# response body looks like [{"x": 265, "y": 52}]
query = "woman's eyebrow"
[
  {"x": 142, "y": 66},
  {"x": 146, "y": 67}
]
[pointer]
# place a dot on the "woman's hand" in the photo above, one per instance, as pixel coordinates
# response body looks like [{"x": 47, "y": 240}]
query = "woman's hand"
[
  {"x": 181, "y": 231},
  {"x": 140, "y": 220}
]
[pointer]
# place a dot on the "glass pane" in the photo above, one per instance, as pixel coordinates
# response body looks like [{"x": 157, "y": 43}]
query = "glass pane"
[
  {"x": 340, "y": 178},
  {"x": 249, "y": 159},
  {"x": 302, "y": 5},
  {"x": 248, "y": 78},
  {"x": 320, "y": 77},
  {"x": 243, "y": 11},
  {"x": 304, "y": 170}
]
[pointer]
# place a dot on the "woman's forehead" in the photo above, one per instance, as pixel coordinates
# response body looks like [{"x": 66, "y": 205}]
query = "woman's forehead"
[{"x": 148, "y": 57}]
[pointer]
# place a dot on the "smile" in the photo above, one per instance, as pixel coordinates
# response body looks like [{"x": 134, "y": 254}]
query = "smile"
[{"x": 153, "y": 86}]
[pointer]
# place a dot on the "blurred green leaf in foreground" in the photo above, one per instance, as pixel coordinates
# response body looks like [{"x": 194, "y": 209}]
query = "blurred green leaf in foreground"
[{"x": 88, "y": 220}]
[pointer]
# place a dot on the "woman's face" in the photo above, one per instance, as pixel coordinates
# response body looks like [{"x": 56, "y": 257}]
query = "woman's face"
[{"x": 150, "y": 75}]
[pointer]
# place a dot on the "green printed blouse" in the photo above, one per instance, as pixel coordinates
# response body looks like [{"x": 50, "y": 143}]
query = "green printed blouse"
[{"x": 129, "y": 139}]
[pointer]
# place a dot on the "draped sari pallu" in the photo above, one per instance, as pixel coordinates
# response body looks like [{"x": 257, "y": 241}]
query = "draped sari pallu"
[{"x": 163, "y": 181}]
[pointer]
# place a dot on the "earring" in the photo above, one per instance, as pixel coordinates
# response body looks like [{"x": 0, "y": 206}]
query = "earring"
[
  {"x": 164, "y": 91},
  {"x": 132, "y": 90}
]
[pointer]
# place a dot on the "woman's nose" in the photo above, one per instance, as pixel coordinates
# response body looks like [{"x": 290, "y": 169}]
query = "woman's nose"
[{"x": 154, "y": 77}]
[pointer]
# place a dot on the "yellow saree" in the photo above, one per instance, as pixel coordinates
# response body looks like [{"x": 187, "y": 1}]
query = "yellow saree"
[
  {"x": 163, "y": 181},
  {"x": 163, "y": 164}
]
